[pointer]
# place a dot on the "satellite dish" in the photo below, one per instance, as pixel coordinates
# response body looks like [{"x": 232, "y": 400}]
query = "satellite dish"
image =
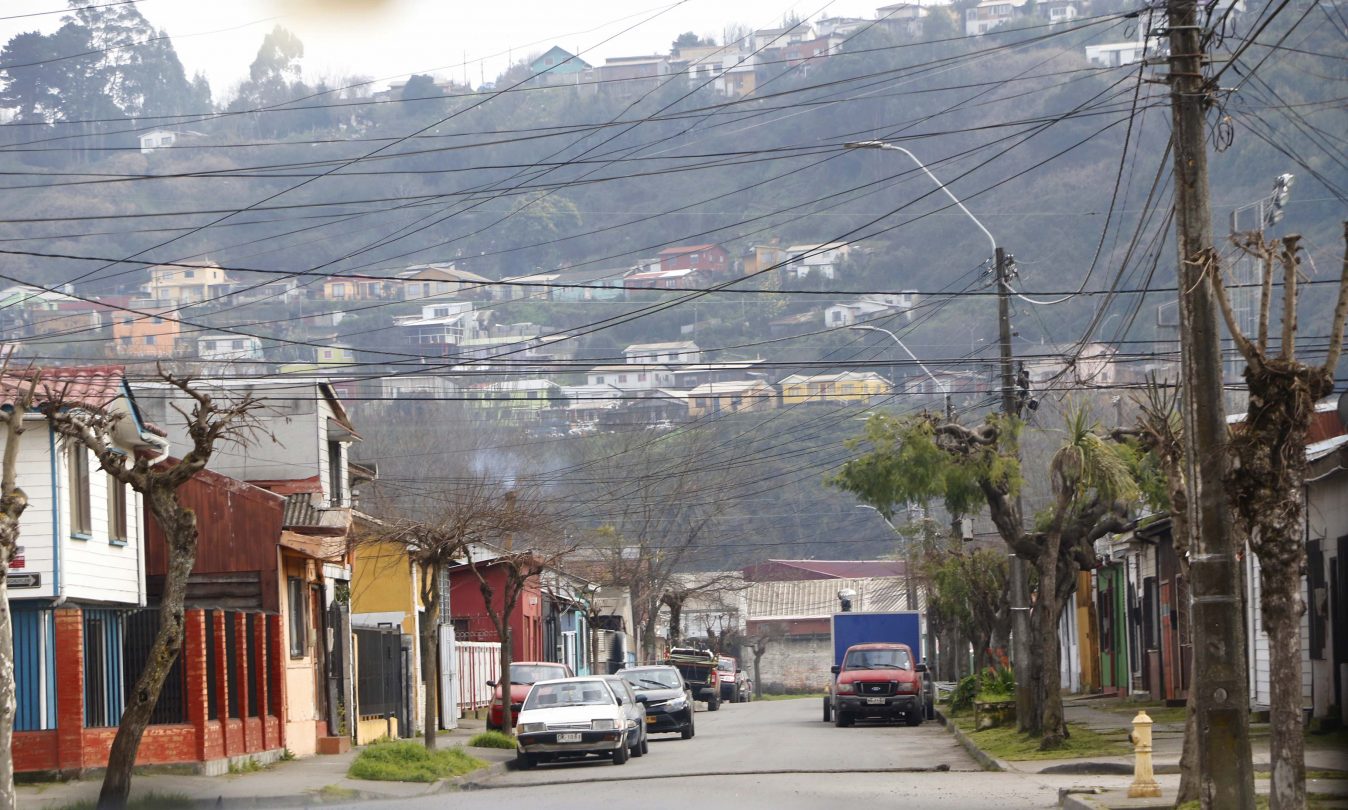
[{"x": 1343, "y": 408}]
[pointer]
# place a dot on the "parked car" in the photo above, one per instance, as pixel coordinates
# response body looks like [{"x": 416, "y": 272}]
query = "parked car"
[
  {"x": 734, "y": 683},
  {"x": 578, "y": 717},
  {"x": 523, "y": 675},
  {"x": 669, "y": 701},
  {"x": 698, "y": 668},
  {"x": 879, "y": 679}
]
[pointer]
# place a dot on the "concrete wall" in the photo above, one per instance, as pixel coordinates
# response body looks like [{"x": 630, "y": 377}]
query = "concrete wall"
[{"x": 794, "y": 664}]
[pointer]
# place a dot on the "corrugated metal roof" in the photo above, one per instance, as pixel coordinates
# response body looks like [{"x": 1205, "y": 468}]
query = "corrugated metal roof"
[{"x": 813, "y": 598}]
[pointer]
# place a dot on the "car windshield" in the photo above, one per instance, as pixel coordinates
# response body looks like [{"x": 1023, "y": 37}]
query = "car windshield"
[
  {"x": 533, "y": 673},
  {"x": 878, "y": 659},
  {"x": 726, "y": 665},
  {"x": 569, "y": 693},
  {"x": 652, "y": 678}
]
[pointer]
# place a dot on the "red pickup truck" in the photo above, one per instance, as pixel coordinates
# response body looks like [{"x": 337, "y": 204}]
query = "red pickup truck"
[{"x": 880, "y": 679}]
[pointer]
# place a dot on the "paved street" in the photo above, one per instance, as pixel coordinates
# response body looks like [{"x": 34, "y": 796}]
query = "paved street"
[{"x": 777, "y": 754}]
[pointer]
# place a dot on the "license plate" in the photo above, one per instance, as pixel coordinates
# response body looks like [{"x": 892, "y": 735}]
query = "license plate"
[
  {"x": 650, "y": 719},
  {"x": 568, "y": 736},
  {"x": 876, "y": 701}
]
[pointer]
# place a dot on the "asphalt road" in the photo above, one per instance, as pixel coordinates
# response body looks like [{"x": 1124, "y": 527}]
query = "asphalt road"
[{"x": 772, "y": 754}]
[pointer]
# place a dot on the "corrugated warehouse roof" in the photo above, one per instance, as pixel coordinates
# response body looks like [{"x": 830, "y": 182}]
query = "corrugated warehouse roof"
[{"x": 819, "y": 597}]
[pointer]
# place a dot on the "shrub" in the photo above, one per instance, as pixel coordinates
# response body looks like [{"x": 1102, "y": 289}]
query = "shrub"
[
  {"x": 411, "y": 762},
  {"x": 991, "y": 684},
  {"x": 493, "y": 739}
]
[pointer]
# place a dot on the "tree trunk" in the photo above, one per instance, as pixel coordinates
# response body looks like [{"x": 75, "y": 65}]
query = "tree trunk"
[
  {"x": 1048, "y": 723},
  {"x": 8, "y": 695},
  {"x": 430, "y": 669},
  {"x": 1281, "y": 609},
  {"x": 503, "y": 632},
  {"x": 1188, "y": 764},
  {"x": 649, "y": 652},
  {"x": 180, "y": 531},
  {"x": 675, "y": 618}
]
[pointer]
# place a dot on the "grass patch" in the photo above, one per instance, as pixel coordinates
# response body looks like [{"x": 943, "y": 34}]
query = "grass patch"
[
  {"x": 337, "y": 793},
  {"x": 1158, "y": 712},
  {"x": 493, "y": 739},
  {"x": 1309, "y": 775},
  {"x": 1009, "y": 744},
  {"x": 789, "y": 697},
  {"x": 150, "y": 801},
  {"x": 250, "y": 765},
  {"x": 411, "y": 762}
]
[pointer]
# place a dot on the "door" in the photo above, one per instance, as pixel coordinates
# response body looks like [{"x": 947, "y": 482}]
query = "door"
[{"x": 318, "y": 617}]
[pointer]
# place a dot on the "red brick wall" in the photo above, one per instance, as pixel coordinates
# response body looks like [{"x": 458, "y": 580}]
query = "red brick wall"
[{"x": 71, "y": 748}]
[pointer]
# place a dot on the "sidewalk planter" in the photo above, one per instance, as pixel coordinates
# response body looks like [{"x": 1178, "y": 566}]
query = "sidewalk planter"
[{"x": 994, "y": 713}]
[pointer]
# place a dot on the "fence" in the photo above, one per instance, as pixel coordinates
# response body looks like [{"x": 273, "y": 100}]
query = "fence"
[
  {"x": 475, "y": 663},
  {"x": 116, "y": 647}
]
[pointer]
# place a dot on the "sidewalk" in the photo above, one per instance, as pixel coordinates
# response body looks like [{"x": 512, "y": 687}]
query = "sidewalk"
[
  {"x": 1112, "y": 717},
  {"x": 309, "y": 781}
]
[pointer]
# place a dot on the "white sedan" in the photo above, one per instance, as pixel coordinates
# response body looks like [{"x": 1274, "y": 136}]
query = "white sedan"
[{"x": 576, "y": 717}]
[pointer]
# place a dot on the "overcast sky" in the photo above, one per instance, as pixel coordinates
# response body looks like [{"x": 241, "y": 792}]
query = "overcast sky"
[{"x": 391, "y": 38}]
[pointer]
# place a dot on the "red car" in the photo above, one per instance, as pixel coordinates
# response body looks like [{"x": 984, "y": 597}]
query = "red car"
[
  {"x": 880, "y": 679},
  {"x": 522, "y": 676}
]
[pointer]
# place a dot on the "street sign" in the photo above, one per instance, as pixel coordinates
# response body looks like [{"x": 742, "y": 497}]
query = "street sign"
[{"x": 20, "y": 581}]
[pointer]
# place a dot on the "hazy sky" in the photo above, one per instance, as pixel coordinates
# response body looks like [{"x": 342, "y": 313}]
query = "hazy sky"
[{"x": 390, "y": 38}]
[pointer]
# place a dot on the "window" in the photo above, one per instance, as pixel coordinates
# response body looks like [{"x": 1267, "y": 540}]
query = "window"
[
  {"x": 167, "y": 140},
  {"x": 622, "y": 378},
  {"x": 238, "y": 344},
  {"x": 77, "y": 478},
  {"x": 336, "y": 490},
  {"x": 299, "y": 634},
  {"x": 117, "y": 532},
  {"x": 189, "y": 274},
  {"x": 149, "y": 340}
]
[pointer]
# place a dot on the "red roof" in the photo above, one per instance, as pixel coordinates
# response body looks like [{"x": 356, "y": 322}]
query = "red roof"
[
  {"x": 92, "y": 387},
  {"x": 685, "y": 249},
  {"x": 792, "y": 570}
]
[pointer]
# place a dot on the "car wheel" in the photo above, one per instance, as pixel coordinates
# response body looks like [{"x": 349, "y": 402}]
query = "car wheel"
[
  {"x": 687, "y": 731},
  {"x": 929, "y": 710},
  {"x": 525, "y": 761},
  {"x": 620, "y": 754},
  {"x": 914, "y": 718},
  {"x": 828, "y": 711},
  {"x": 714, "y": 703},
  {"x": 645, "y": 745},
  {"x": 842, "y": 719}
]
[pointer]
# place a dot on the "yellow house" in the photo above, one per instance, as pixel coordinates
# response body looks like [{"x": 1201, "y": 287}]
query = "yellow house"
[
  {"x": 384, "y": 591},
  {"x": 181, "y": 284},
  {"x": 731, "y": 397},
  {"x": 142, "y": 335},
  {"x": 843, "y": 387},
  {"x": 760, "y": 257}
]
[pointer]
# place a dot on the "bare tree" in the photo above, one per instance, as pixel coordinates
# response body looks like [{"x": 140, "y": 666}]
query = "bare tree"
[
  {"x": 500, "y": 597},
  {"x": 683, "y": 587},
  {"x": 209, "y": 423},
  {"x": 16, "y": 401},
  {"x": 769, "y": 633},
  {"x": 1268, "y": 472}
]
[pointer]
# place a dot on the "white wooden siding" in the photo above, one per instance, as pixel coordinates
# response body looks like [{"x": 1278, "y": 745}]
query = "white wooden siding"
[{"x": 34, "y": 476}]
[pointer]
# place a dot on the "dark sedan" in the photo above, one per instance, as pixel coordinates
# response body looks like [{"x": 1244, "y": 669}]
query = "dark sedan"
[{"x": 669, "y": 703}]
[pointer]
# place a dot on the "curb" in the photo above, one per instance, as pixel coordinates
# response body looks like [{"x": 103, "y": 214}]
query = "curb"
[
  {"x": 989, "y": 762},
  {"x": 1078, "y": 799}
]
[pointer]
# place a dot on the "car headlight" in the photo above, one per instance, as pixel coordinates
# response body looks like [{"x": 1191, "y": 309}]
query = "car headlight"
[
  {"x": 844, "y": 689},
  {"x": 677, "y": 704},
  {"x": 908, "y": 688},
  {"x": 531, "y": 728},
  {"x": 602, "y": 725}
]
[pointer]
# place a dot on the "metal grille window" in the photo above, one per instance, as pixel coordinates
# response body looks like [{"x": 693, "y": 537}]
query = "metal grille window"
[
  {"x": 139, "y": 628},
  {"x": 212, "y": 669},
  {"x": 299, "y": 632},
  {"x": 254, "y": 662},
  {"x": 102, "y": 668},
  {"x": 77, "y": 478},
  {"x": 232, "y": 663}
]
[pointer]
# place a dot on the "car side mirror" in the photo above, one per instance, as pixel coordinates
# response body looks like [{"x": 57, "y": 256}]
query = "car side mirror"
[
  {"x": 643, "y": 698},
  {"x": 835, "y": 669},
  {"x": 920, "y": 668}
]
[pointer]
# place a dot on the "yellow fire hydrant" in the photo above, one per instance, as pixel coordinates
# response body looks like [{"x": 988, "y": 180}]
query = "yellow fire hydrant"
[{"x": 1144, "y": 781}]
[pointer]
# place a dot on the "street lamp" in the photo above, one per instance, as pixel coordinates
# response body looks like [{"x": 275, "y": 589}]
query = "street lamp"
[
  {"x": 889, "y": 147},
  {"x": 907, "y": 556},
  {"x": 939, "y": 383}
]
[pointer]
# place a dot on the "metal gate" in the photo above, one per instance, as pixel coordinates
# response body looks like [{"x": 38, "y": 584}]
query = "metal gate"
[{"x": 379, "y": 668}]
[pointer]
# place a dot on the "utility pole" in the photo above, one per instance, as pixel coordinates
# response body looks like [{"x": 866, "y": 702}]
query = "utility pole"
[
  {"x": 1225, "y": 770},
  {"x": 1020, "y": 585}
]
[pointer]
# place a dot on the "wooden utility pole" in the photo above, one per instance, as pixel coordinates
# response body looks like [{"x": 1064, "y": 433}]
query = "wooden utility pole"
[
  {"x": 1020, "y": 586},
  {"x": 1225, "y": 771}
]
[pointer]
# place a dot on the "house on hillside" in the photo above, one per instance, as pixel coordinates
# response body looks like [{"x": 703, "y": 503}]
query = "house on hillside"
[
  {"x": 821, "y": 260},
  {"x": 630, "y": 76},
  {"x": 1088, "y": 364},
  {"x": 630, "y": 377},
  {"x": 601, "y": 284},
  {"x": 669, "y": 352},
  {"x": 760, "y": 258},
  {"x": 558, "y": 66},
  {"x": 148, "y": 334},
  {"x": 443, "y": 323},
  {"x": 667, "y": 280},
  {"x": 425, "y": 281},
  {"x": 229, "y": 348},
  {"x": 710, "y": 259},
  {"x": 905, "y": 18},
  {"x": 731, "y": 397},
  {"x": 187, "y": 283},
  {"x": 840, "y": 388}
]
